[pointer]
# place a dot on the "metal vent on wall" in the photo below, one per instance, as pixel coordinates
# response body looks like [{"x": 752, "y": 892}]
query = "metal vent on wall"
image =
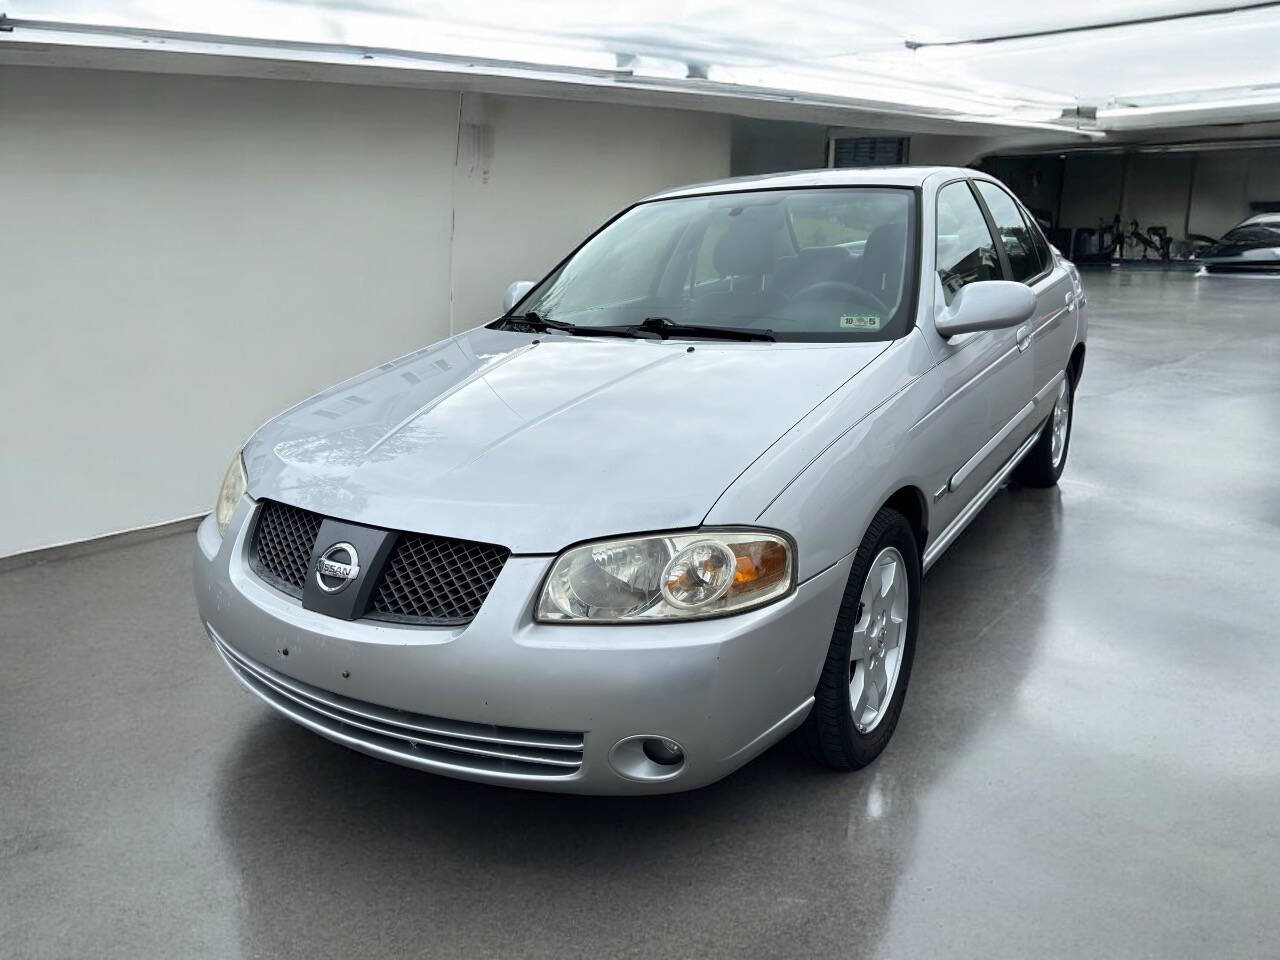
[{"x": 869, "y": 151}]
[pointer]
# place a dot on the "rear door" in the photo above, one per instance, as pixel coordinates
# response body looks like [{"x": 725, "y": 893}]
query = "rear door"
[{"x": 1032, "y": 262}]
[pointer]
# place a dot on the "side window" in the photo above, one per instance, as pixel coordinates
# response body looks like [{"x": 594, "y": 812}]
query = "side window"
[
  {"x": 1014, "y": 232},
  {"x": 1041, "y": 244},
  {"x": 965, "y": 250}
]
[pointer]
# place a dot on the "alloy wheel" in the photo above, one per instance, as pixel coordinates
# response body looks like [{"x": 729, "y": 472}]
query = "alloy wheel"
[
  {"x": 878, "y": 637},
  {"x": 1061, "y": 424}
]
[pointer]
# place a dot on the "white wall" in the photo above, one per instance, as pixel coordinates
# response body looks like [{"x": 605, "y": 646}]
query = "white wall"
[
  {"x": 770, "y": 146},
  {"x": 949, "y": 151},
  {"x": 182, "y": 257},
  {"x": 534, "y": 177}
]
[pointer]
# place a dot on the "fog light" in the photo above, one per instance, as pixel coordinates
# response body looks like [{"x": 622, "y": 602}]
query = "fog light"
[
  {"x": 665, "y": 753},
  {"x": 648, "y": 758}
]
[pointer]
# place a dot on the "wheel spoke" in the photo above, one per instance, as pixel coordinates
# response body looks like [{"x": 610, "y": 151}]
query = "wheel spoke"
[
  {"x": 893, "y": 633},
  {"x": 864, "y": 622},
  {"x": 864, "y": 700},
  {"x": 877, "y": 681},
  {"x": 888, "y": 572}
]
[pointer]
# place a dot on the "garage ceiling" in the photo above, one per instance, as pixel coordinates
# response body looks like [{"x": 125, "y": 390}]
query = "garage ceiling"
[{"x": 1113, "y": 65}]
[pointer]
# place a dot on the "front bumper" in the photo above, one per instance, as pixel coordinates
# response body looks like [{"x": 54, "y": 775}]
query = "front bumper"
[{"x": 509, "y": 701}]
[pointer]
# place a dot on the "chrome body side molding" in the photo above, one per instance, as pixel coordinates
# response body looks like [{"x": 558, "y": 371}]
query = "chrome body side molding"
[
  {"x": 1048, "y": 389},
  {"x": 1051, "y": 319},
  {"x": 980, "y": 500},
  {"x": 988, "y": 448}
]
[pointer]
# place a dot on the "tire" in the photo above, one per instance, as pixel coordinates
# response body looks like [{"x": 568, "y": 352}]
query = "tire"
[
  {"x": 1040, "y": 468},
  {"x": 831, "y": 735}
]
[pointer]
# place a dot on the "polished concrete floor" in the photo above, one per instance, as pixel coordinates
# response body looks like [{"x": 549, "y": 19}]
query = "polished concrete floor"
[{"x": 1088, "y": 764}]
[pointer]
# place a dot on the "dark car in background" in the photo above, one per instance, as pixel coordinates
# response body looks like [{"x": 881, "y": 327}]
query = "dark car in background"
[{"x": 1249, "y": 247}]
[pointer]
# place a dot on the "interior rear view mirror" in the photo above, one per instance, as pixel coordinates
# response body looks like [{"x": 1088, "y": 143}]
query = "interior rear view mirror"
[{"x": 987, "y": 305}]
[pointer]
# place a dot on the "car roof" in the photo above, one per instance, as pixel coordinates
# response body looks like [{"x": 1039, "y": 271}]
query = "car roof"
[
  {"x": 1260, "y": 218},
  {"x": 841, "y": 177}
]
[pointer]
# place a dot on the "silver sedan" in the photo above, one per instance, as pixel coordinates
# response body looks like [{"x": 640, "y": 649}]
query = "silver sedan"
[{"x": 674, "y": 505}]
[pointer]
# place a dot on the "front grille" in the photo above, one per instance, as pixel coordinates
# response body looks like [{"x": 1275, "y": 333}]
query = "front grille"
[
  {"x": 282, "y": 546},
  {"x": 427, "y": 580},
  {"x": 431, "y": 743},
  {"x": 437, "y": 580}
]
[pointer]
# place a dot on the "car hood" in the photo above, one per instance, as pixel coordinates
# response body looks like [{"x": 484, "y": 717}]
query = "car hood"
[{"x": 497, "y": 436}]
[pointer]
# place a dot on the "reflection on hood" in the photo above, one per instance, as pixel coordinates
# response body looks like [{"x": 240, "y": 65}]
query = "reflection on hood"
[{"x": 495, "y": 436}]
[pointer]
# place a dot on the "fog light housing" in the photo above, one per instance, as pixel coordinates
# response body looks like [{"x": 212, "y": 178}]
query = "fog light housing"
[{"x": 647, "y": 758}]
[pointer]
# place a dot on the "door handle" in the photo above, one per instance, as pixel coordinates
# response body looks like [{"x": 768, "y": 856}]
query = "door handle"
[
  {"x": 1071, "y": 301},
  {"x": 1024, "y": 336}
]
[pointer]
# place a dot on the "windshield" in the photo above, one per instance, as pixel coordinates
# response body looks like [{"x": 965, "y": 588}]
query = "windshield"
[
  {"x": 1254, "y": 231},
  {"x": 816, "y": 264}
]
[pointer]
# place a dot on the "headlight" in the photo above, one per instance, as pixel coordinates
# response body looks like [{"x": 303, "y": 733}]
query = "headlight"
[
  {"x": 676, "y": 577},
  {"x": 234, "y": 485}
]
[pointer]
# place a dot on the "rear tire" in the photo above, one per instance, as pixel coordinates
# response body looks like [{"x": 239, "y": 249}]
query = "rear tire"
[
  {"x": 1045, "y": 461},
  {"x": 864, "y": 679}
]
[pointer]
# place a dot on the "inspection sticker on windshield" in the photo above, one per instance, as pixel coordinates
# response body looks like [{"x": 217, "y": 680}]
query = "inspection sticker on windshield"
[{"x": 860, "y": 321}]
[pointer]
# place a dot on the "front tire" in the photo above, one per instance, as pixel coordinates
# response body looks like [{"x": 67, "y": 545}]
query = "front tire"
[
  {"x": 864, "y": 679},
  {"x": 1044, "y": 462}
]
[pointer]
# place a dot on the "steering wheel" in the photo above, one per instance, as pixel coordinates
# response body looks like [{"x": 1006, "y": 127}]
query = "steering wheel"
[{"x": 841, "y": 288}]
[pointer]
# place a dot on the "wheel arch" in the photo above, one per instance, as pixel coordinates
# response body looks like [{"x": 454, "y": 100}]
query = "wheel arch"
[
  {"x": 910, "y": 502},
  {"x": 1076, "y": 364}
]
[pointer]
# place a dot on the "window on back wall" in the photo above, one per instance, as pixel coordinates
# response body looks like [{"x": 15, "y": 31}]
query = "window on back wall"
[{"x": 869, "y": 151}]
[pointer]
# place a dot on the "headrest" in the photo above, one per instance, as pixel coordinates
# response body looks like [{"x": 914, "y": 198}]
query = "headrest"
[
  {"x": 746, "y": 249},
  {"x": 886, "y": 239},
  {"x": 884, "y": 259}
]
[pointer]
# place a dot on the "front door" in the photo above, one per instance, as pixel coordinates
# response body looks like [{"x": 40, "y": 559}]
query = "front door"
[
  {"x": 1032, "y": 262},
  {"x": 985, "y": 378}
]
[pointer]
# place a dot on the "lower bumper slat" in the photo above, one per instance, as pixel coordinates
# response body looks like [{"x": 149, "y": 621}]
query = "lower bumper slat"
[{"x": 417, "y": 740}]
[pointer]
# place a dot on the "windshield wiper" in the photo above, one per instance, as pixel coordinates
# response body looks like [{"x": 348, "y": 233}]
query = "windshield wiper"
[
  {"x": 534, "y": 321},
  {"x": 542, "y": 324},
  {"x": 652, "y": 326},
  {"x": 664, "y": 328}
]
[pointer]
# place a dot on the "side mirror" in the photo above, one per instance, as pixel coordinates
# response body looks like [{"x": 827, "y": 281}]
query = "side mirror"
[
  {"x": 987, "y": 305},
  {"x": 515, "y": 293}
]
